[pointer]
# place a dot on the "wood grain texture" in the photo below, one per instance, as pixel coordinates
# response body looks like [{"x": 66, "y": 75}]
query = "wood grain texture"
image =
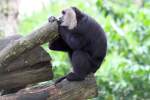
[
  {"x": 29, "y": 67},
  {"x": 45, "y": 33},
  {"x": 63, "y": 91}
]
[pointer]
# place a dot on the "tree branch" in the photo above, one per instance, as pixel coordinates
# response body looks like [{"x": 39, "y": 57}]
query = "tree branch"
[
  {"x": 30, "y": 67},
  {"x": 42, "y": 35},
  {"x": 63, "y": 91}
]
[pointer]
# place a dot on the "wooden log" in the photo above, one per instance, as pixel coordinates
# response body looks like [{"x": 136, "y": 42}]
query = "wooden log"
[
  {"x": 30, "y": 67},
  {"x": 63, "y": 91},
  {"x": 46, "y": 33}
]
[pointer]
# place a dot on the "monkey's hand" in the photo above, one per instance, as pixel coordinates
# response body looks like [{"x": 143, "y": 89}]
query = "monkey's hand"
[
  {"x": 60, "y": 20},
  {"x": 52, "y": 19}
]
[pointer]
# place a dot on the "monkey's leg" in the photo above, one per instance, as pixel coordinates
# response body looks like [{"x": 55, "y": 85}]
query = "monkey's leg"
[{"x": 81, "y": 66}]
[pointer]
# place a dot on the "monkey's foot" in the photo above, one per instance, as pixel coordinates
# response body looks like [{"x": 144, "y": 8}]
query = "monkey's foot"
[
  {"x": 70, "y": 77},
  {"x": 74, "y": 77}
]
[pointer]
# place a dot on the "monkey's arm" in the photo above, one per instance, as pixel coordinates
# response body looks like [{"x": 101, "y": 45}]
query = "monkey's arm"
[
  {"x": 59, "y": 45},
  {"x": 75, "y": 41}
]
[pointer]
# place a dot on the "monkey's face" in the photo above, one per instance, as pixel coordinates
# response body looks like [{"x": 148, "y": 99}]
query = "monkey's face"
[{"x": 69, "y": 18}]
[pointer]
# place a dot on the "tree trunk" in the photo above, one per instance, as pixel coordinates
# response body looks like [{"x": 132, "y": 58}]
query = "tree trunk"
[
  {"x": 47, "y": 32},
  {"x": 16, "y": 68},
  {"x": 62, "y": 91},
  {"x": 30, "y": 67}
]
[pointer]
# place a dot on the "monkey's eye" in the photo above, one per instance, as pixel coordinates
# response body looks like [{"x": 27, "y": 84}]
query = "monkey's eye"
[{"x": 63, "y": 12}]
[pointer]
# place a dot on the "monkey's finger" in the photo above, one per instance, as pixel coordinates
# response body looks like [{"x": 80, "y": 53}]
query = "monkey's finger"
[{"x": 52, "y": 19}]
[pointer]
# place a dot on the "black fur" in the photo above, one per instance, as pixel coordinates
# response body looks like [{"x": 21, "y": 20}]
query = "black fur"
[{"x": 86, "y": 45}]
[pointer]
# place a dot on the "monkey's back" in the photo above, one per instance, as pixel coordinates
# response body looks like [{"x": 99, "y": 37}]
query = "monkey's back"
[{"x": 95, "y": 35}]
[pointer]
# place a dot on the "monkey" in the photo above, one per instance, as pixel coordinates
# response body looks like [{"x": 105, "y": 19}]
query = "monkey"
[{"x": 84, "y": 40}]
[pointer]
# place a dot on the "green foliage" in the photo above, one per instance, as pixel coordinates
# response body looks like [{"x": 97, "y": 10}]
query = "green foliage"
[{"x": 125, "y": 73}]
